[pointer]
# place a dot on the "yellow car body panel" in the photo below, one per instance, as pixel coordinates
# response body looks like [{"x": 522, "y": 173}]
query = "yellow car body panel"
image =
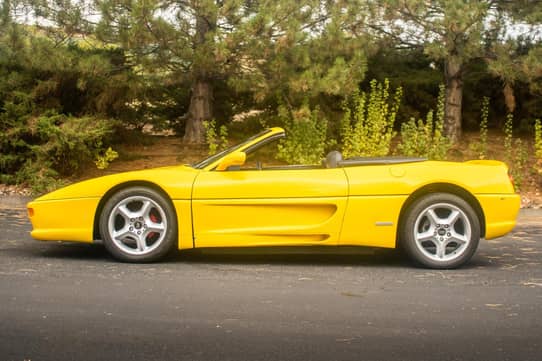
[
  {"x": 500, "y": 212},
  {"x": 268, "y": 222},
  {"x": 255, "y": 184},
  {"x": 383, "y": 190},
  {"x": 69, "y": 213},
  {"x": 353, "y": 204},
  {"x": 401, "y": 179},
  {"x": 176, "y": 181},
  {"x": 371, "y": 221},
  {"x": 184, "y": 222},
  {"x": 275, "y": 207},
  {"x": 64, "y": 219}
]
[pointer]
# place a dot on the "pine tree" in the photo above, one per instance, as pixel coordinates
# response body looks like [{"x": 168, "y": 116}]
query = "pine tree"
[
  {"x": 284, "y": 49},
  {"x": 453, "y": 32}
]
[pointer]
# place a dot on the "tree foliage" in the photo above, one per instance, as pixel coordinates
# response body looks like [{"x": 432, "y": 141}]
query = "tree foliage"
[
  {"x": 455, "y": 33},
  {"x": 126, "y": 63},
  {"x": 55, "y": 104},
  {"x": 275, "y": 50}
]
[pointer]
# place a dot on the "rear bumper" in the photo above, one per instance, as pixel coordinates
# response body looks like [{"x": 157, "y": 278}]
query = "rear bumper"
[{"x": 500, "y": 213}]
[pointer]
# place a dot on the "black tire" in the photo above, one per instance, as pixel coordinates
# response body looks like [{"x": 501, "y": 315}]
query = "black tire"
[
  {"x": 440, "y": 231},
  {"x": 138, "y": 224}
]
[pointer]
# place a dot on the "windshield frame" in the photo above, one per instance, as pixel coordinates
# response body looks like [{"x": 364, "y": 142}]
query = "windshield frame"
[{"x": 210, "y": 160}]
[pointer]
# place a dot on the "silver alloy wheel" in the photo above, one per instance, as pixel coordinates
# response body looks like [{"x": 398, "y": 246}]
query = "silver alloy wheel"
[
  {"x": 442, "y": 232},
  {"x": 137, "y": 225}
]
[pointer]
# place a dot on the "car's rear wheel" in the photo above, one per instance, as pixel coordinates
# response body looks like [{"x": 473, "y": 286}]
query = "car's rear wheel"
[
  {"x": 440, "y": 231},
  {"x": 138, "y": 224}
]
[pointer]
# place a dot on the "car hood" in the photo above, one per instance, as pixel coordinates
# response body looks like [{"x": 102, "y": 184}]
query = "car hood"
[{"x": 176, "y": 181}]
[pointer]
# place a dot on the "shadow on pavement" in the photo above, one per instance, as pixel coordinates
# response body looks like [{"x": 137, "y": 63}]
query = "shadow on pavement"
[
  {"x": 333, "y": 257},
  {"x": 295, "y": 256}
]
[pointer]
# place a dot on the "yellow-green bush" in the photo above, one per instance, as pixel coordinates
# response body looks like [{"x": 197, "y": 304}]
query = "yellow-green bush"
[
  {"x": 538, "y": 145},
  {"x": 367, "y": 124},
  {"x": 306, "y": 131},
  {"x": 426, "y": 139},
  {"x": 102, "y": 160},
  {"x": 515, "y": 152},
  {"x": 216, "y": 140},
  {"x": 480, "y": 147},
  {"x": 508, "y": 138}
]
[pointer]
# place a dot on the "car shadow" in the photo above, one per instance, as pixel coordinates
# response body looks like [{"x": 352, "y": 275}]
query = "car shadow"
[
  {"x": 389, "y": 258},
  {"x": 305, "y": 257},
  {"x": 76, "y": 251},
  {"x": 331, "y": 257},
  {"x": 486, "y": 258}
]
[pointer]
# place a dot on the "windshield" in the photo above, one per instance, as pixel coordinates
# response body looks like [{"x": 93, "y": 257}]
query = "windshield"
[{"x": 204, "y": 163}]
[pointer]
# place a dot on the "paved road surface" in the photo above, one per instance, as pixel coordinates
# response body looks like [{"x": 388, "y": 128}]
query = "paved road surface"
[{"x": 62, "y": 301}]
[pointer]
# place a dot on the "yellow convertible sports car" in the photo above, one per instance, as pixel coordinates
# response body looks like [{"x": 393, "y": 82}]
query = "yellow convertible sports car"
[{"x": 437, "y": 211}]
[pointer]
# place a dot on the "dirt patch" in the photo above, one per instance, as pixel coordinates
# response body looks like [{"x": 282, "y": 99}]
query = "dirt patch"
[{"x": 160, "y": 152}]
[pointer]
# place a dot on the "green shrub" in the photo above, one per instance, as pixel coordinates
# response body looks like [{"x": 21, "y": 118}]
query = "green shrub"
[
  {"x": 521, "y": 156},
  {"x": 481, "y": 146},
  {"x": 39, "y": 176},
  {"x": 38, "y": 150},
  {"x": 367, "y": 124},
  {"x": 515, "y": 152},
  {"x": 216, "y": 141},
  {"x": 15, "y": 134},
  {"x": 70, "y": 142},
  {"x": 508, "y": 138},
  {"x": 426, "y": 139},
  {"x": 102, "y": 161},
  {"x": 306, "y": 131},
  {"x": 538, "y": 145}
]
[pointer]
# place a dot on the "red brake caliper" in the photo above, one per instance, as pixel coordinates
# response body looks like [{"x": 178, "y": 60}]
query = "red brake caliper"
[{"x": 153, "y": 219}]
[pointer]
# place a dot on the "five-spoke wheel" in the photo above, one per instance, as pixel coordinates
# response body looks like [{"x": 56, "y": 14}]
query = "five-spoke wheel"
[
  {"x": 138, "y": 225},
  {"x": 440, "y": 231}
]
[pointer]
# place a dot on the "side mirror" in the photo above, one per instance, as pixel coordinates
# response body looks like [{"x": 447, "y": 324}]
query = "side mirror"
[{"x": 232, "y": 160}]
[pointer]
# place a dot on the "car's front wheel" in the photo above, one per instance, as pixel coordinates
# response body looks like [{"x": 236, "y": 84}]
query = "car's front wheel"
[
  {"x": 138, "y": 224},
  {"x": 440, "y": 231}
]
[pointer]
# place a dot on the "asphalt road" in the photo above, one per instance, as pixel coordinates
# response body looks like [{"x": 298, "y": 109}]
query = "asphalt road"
[{"x": 63, "y": 301}]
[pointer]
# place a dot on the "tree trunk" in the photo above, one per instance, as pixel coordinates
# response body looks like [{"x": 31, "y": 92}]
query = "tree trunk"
[
  {"x": 509, "y": 98},
  {"x": 201, "y": 100},
  {"x": 199, "y": 110},
  {"x": 454, "y": 98}
]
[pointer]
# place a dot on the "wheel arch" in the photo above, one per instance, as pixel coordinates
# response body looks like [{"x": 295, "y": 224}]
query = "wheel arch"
[
  {"x": 443, "y": 188},
  {"x": 119, "y": 187}
]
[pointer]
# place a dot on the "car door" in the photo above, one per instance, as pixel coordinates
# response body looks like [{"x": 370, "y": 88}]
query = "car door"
[{"x": 283, "y": 206}]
